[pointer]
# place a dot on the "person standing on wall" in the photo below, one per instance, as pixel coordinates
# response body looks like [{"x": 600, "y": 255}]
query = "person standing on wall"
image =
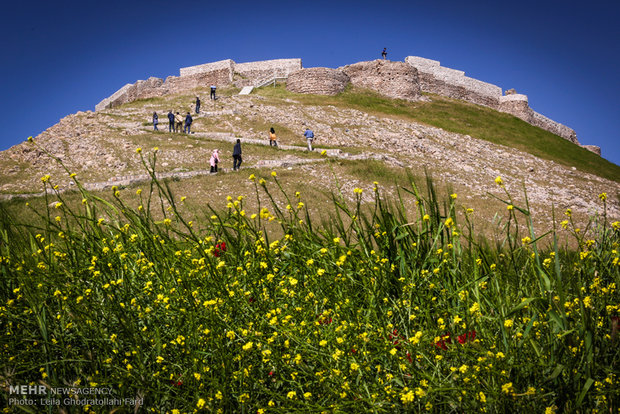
[
  {"x": 155, "y": 121},
  {"x": 309, "y": 138},
  {"x": 384, "y": 53},
  {"x": 272, "y": 137},
  {"x": 213, "y": 88},
  {"x": 237, "y": 156},
  {"x": 171, "y": 121},
  {"x": 188, "y": 123},
  {"x": 197, "y": 105}
]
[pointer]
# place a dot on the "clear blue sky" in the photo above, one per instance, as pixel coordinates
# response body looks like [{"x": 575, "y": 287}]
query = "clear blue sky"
[{"x": 63, "y": 56}]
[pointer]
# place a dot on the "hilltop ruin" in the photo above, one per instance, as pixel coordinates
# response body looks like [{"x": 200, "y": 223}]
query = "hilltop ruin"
[{"x": 400, "y": 80}]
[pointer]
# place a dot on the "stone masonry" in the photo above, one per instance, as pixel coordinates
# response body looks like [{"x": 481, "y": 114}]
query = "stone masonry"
[
  {"x": 251, "y": 72},
  {"x": 452, "y": 83},
  {"x": 517, "y": 104},
  {"x": 392, "y": 79},
  {"x": 220, "y": 73},
  {"x": 319, "y": 81}
]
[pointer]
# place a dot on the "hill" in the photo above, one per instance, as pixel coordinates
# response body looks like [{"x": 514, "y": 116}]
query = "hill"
[{"x": 464, "y": 146}]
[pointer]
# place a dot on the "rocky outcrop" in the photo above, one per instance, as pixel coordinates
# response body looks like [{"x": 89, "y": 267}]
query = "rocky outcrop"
[
  {"x": 319, "y": 81},
  {"x": 392, "y": 79}
]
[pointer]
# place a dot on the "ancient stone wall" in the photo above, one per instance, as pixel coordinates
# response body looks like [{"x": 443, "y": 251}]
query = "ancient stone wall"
[
  {"x": 452, "y": 83},
  {"x": 178, "y": 84},
  {"x": 250, "y": 72},
  {"x": 319, "y": 81},
  {"x": 392, "y": 79},
  {"x": 227, "y": 66},
  {"x": 556, "y": 128},
  {"x": 130, "y": 92},
  {"x": 517, "y": 104},
  {"x": 593, "y": 148}
]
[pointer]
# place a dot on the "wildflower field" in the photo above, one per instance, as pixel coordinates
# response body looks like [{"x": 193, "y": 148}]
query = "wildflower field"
[{"x": 378, "y": 310}]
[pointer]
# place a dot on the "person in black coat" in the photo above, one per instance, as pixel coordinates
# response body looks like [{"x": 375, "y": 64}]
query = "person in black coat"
[
  {"x": 188, "y": 123},
  {"x": 197, "y": 105},
  {"x": 155, "y": 121},
  {"x": 171, "y": 127},
  {"x": 237, "y": 155}
]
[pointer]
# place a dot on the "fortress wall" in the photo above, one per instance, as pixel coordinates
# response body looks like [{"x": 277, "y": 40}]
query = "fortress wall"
[
  {"x": 319, "y": 81},
  {"x": 593, "y": 148},
  {"x": 516, "y": 104},
  {"x": 108, "y": 102},
  {"x": 261, "y": 69},
  {"x": 130, "y": 92},
  {"x": 556, "y": 128},
  {"x": 392, "y": 79},
  {"x": 178, "y": 84},
  {"x": 453, "y": 83},
  {"x": 226, "y": 65}
]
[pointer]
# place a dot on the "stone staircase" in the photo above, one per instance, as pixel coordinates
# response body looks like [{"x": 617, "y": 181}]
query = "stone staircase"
[
  {"x": 246, "y": 90},
  {"x": 268, "y": 80}
]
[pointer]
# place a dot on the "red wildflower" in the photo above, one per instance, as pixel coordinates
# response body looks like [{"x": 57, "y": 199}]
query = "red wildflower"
[
  {"x": 409, "y": 357},
  {"x": 220, "y": 248},
  {"x": 271, "y": 373},
  {"x": 394, "y": 336},
  {"x": 445, "y": 339},
  {"x": 467, "y": 336},
  {"x": 324, "y": 320},
  {"x": 441, "y": 344}
]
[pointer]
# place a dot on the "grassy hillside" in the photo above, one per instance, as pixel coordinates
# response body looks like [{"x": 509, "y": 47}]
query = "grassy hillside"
[
  {"x": 466, "y": 118},
  {"x": 261, "y": 309}
]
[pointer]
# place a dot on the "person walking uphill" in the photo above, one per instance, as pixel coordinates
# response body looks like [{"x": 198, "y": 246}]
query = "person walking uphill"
[
  {"x": 237, "y": 156},
  {"x": 215, "y": 158},
  {"x": 213, "y": 88},
  {"x": 171, "y": 122},
  {"x": 197, "y": 105},
  {"x": 272, "y": 137},
  {"x": 384, "y": 53},
  {"x": 188, "y": 123},
  {"x": 155, "y": 121},
  {"x": 309, "y": 138}
]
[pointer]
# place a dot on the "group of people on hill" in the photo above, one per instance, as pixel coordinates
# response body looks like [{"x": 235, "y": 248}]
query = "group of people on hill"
[
  {"x": 237, "y": 152},
  {"x": 176, "y": 122}
]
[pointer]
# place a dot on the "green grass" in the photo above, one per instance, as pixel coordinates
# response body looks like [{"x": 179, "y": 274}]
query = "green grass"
[
  {"x": 465, "y": 118},
  {"x": 375, "y": 310}
]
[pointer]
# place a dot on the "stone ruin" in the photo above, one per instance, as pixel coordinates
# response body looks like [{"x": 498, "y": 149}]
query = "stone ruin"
[
  {"x": 400, "y": 80},
  {"x": 395, "y": 80},
  {"x": 318, "y": 81},
  {"x": 221, "y": 73},
  {"x": 452, "y": 83}
]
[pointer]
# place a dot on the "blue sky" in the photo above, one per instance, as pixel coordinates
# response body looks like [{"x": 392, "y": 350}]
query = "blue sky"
[{"x": 64, "y": 56}]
